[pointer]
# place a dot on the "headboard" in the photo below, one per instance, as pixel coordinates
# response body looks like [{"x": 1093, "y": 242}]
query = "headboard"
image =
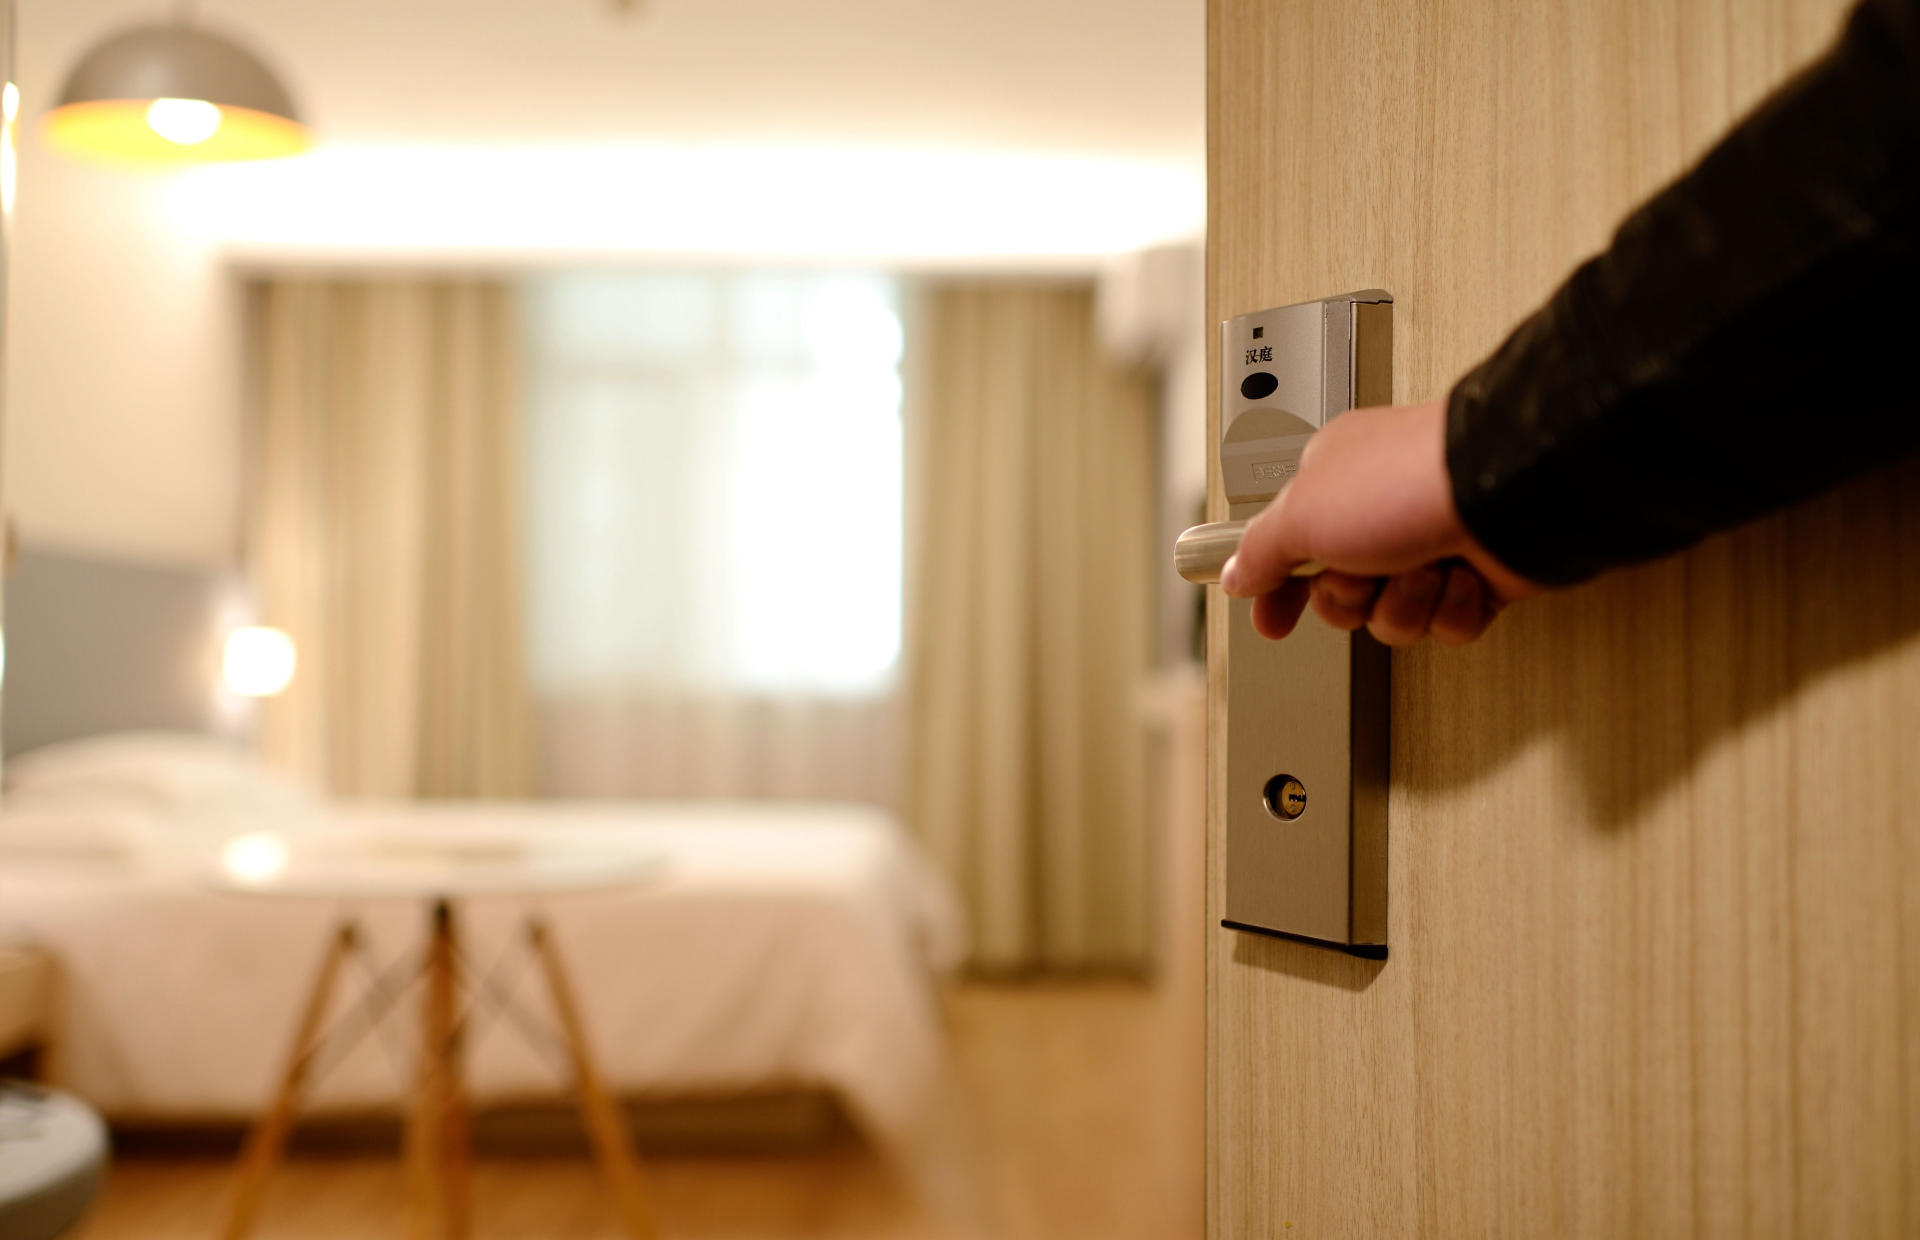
[{"x": 98, "y": 644}]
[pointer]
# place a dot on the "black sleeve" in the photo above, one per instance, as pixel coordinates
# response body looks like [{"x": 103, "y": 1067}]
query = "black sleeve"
[{"x": 1749, "y": 337}]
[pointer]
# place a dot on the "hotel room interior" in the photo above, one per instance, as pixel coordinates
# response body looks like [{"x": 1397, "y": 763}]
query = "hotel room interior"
[{"x": 596, "y": 653}]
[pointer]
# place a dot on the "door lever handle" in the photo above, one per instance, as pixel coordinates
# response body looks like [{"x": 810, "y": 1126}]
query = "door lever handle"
[{"x": 1201, "y": 552}]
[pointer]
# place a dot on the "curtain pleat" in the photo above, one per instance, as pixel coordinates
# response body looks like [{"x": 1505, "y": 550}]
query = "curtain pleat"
[
  {"x": 384, "y": 534},
  {"x": 1030, "y": 472}
]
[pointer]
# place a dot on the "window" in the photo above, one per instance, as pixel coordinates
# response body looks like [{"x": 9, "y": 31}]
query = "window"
[{"x": 714, "y": 483}]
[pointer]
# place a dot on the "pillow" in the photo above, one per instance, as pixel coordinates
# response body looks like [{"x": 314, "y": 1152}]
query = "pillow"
[{"x": 161, "y": 771}]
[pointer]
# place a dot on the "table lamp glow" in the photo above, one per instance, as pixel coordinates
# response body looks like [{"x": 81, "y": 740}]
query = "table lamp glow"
[{"x": 258, "y": 661}]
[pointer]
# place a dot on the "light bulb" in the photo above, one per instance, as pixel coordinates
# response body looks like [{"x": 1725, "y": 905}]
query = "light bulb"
[
  {"x": 258, "y": 661},
  {"x": 184, "y": 122}
]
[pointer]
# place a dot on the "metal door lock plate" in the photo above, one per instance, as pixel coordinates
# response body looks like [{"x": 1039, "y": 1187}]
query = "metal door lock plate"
[{"x": 1310, "y": 712}]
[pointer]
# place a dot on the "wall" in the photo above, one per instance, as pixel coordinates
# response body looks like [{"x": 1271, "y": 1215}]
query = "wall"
[{"x": 122, "y": 387}]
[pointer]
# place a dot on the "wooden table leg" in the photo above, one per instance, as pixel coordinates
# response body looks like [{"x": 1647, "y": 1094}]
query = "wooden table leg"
[
  {"x": 456, "y": 1150},
  {"x": 611, "y": 1144},
  {"x": 433, "y": 1184},
  {"x": 268, "y": 1140}
]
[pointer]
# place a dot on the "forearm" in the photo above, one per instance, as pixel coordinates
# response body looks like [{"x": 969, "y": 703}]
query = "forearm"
[{"x": 1745, "y": 339}]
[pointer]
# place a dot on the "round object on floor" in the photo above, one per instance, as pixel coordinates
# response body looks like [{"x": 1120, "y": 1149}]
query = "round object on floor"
[{"x": 53, "y": 1155}]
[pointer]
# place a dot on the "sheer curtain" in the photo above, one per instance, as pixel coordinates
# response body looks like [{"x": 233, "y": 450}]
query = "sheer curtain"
[{"x": 713, "y": 475}]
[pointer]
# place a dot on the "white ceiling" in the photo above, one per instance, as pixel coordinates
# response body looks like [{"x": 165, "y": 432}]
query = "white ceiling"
[{"x": 1037, "y": 113}]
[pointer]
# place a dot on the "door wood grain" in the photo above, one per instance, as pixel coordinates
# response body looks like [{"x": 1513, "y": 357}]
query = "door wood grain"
[{"x": 1655, "y": 843}]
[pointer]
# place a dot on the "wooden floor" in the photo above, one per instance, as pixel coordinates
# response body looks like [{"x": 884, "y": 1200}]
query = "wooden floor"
[{"x": 1072, "y": 1110}]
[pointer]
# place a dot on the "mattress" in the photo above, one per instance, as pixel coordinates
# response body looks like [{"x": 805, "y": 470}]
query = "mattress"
[{"x": 773, "y": 946}]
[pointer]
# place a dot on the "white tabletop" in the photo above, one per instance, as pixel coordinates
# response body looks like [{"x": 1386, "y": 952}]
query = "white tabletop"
[{"x": 426, "y": 867}]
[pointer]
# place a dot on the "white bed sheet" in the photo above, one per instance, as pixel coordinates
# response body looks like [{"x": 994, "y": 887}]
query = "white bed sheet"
[{"x": 780, "y": 946}]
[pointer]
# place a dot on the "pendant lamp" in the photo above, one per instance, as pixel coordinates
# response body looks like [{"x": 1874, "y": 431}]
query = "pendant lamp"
[{"x": 174, "y": 94}]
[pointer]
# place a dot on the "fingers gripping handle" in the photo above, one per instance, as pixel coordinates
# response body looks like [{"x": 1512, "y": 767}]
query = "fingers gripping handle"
[{"x": 1201, "y": 552}]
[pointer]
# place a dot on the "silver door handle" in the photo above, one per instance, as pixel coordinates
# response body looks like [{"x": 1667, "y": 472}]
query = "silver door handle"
[{"x": 1201, "y": 552}]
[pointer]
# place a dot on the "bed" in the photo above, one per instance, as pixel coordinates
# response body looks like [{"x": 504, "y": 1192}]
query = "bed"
[
  {"x": 781, "y": 947},
  {"x": 778, "y": 946}
]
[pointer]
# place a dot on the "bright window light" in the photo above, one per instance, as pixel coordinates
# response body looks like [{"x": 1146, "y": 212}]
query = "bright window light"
[
  {"x": 258, "y": 662},
  {"x": 184, "y": 122},
  {"x": 715, "y": 483}
]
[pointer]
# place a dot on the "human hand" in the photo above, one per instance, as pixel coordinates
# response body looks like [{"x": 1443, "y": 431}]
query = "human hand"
[{"x": 1372, "y": 502}]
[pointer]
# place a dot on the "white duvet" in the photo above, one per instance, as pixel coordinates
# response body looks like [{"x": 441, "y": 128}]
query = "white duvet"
[{"x": 777, "y": 946}]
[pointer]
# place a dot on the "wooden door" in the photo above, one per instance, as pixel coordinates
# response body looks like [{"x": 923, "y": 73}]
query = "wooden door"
[{"x": 1655, "y": 854}]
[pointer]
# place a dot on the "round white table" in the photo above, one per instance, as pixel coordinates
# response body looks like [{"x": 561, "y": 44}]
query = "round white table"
[{"x": 439, "y": 871}]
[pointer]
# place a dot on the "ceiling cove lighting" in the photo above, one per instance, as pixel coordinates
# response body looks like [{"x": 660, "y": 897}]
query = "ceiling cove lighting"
[{"x": 174, "y": 94}]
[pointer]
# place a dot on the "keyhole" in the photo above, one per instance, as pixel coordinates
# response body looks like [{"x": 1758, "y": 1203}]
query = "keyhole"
[{"x": 1286, "y": 797}]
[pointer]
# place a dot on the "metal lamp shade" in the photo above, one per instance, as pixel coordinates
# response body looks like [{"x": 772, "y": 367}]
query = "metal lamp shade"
[{"x": 104, "y": 109}]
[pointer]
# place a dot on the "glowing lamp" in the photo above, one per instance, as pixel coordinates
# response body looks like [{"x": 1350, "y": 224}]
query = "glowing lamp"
[
  {"x": 257, "y": 857},
  {"x": 258, "y": 661},
  {"x": 174, "y": 94},
  {"x": 184, "y": 122}
]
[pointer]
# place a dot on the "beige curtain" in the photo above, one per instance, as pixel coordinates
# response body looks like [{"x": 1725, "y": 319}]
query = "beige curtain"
[
  {"x": 383, "y": 533},
  {"x": 1030, "y": 489}
]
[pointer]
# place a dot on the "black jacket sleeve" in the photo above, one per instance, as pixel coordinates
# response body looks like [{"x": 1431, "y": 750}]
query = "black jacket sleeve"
[{"x": 1750, "y": 336}]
